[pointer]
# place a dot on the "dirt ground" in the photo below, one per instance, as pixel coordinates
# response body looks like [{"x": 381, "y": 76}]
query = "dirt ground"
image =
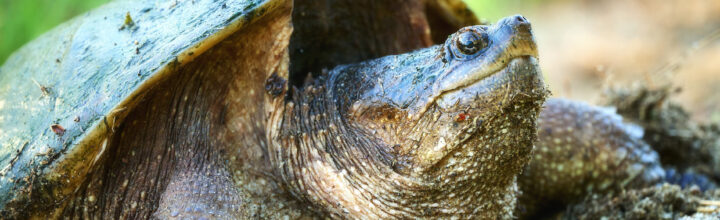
[
  {"x": 662, "y": 202},
  {"x": 587, "y": 46}
]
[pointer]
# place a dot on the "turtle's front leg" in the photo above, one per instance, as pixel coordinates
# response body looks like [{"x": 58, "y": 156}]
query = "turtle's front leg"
[{"x": 581, "y": 150}]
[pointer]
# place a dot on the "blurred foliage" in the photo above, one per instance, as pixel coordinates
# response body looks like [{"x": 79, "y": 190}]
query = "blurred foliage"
[
  {"x": 492, "y": 10},
  {"x": 24, "y": 20}
]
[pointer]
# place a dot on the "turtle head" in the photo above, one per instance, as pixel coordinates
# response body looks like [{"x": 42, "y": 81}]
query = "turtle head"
[
  {"x": 458, "y": 108},
  {"x": 417, "y": 134}
]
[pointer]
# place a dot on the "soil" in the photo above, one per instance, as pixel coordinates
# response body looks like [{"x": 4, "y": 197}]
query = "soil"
[
  {"x": 682, "y": 143},
  {"x": 660, "y": 202}
]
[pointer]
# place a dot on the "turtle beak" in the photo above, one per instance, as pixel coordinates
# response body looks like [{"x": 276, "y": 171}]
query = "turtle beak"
[{"x": 509, "y": 38}]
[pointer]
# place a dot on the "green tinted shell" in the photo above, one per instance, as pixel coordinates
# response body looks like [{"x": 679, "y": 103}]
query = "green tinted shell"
[{"x": 61, "y": 94}]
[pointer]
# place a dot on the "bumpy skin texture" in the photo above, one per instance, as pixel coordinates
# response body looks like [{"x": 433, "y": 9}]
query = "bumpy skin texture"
[
  {"x": 584, "y": 149},
  {"x": 356, "y": 142}
]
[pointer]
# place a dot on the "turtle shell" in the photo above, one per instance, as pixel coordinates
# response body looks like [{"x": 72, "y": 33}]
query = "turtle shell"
[{"x": 63, "y": 93}]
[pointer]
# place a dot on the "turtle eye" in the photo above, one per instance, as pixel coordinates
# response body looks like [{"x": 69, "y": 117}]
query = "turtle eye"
[{"x": 470, "y": 42}]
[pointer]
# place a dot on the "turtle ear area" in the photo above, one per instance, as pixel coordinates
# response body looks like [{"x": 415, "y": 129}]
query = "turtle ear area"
[
  {"x": 376, "y": 111},
  {"x": 275, "y": 85}
]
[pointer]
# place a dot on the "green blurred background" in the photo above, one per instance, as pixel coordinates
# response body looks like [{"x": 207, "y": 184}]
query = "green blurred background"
[{"x": 23, "y": 20}]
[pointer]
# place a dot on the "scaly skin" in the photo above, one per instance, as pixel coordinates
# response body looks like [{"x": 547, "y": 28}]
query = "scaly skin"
[
  {"x": 583, "y": 149},
  {"x": 356, "y": 143}
]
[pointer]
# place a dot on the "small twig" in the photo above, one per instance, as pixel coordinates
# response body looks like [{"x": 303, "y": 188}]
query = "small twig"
[
  {"x": 710, "y": 202},
  {"x": 45, "y": 90},
  {"x": 709, "y": 206},
  {"x": 707, "y": 209}
]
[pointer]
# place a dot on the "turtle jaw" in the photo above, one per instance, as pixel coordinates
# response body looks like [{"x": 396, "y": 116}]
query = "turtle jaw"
[
  {"x": 472, "y": 95},
  {"x": 491, "y": 118},
  {"x": 482, "y": 93}
]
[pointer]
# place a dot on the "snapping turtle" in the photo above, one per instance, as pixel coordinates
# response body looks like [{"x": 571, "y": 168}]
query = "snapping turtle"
[
  {"x": 198, "y": 122},
  {"x": 141, "y": 110}
]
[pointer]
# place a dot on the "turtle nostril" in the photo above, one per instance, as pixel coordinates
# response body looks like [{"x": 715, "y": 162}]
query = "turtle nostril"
[{"x": 520, "y": 18}]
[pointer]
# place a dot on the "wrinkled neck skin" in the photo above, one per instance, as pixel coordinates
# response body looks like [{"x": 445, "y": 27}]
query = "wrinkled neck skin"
[
  {"x": 375, "y": 161},
  {"x": 439, "y": 132}
]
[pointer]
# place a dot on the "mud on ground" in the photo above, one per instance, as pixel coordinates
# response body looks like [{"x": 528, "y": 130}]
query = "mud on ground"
[{"x": 660, "y": 202}]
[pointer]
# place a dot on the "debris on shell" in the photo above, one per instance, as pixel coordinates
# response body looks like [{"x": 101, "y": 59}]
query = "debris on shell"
[
  {"x": 462, "y": 117},
  {"x": 128, "y": 23},
  {"x": 57, "y": 129}
]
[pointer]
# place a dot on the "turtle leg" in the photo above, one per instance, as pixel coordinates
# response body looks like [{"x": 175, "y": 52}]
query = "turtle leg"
[
  {"x": 581, "y": 150},
  {"x": 192, "y": 146}
]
